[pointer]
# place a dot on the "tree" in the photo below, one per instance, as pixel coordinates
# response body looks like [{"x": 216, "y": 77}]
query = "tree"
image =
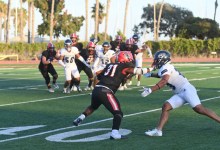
[
  {"x": 101, "y": 14},
  {"x": 24, "y": 19},
  {"x": 51, "y": 21},
  {"x": 32, "y": 21},
  {"x": 87, "y": 10},
  {"x": 3, "y": 14},
  {"x": 59, "y": 28},
  {"x": 125, "y": 16},
  {"x": 106, "y": 18},
  {"x": 170, "y": 18},
  {"x": 198, "y": 28},
  {"x": 8, "y": 21}
]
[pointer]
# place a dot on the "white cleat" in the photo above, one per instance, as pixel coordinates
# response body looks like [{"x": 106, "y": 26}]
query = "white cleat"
[
  {"x": 138, "y": 83},
  {"x": 121, "y": 88},
  {"x": 87, "y": 88},
  {"x": 130, "y": 83},
  {"x": 51, "y": 90},
  {"x": 74, "y": 88},
  {"x": 154, "y": 132}
]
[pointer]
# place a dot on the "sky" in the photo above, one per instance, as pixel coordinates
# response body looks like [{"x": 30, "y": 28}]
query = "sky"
[{"x": 200, "y": 8}]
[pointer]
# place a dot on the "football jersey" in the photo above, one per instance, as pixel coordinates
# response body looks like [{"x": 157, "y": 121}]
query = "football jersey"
[
  {"x": 49, "y": 56},
  {"x": 176, "y": 81},
  {"x": 112, "y": 76},
  {"x": 69, "y": 57},
  {"x": 104, "y": 58}
]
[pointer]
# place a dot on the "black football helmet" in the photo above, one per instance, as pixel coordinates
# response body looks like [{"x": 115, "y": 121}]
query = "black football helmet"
[{"x": 161, "y": 58}]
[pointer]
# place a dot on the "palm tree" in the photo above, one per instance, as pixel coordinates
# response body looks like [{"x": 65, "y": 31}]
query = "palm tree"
[
  {"x": 159, "y": 18},
  {"x": 21, "y": 21},
  {"x": 125, "y": 16},
  {"x": 8, "y": 21},
  {"x": 29, "y": 21},
  {"x": 216, "y": 5},
  {"x": 51, "y": 21},
  {"x": 106, "y": 18},
  {"x": 32, "y": 22},
  {"x": 155, "y": 22},
  {"x": 100, "y": 14},
  {"x": 87, "y": 10},
  {"x": 3, "y": 14},
  {"x": 96, "y": 18}
]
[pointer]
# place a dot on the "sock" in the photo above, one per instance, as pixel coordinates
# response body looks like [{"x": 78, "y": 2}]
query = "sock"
[{"x": 82, "y": 116}]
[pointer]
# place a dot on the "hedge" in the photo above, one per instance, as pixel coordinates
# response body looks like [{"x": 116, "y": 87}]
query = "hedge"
[{"x": 177, "y": 46}]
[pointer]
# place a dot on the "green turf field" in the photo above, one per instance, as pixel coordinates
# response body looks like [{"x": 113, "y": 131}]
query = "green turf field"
[{"x": 31, "y": 118}]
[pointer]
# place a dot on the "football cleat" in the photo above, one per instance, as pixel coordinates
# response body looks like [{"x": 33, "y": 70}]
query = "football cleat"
[
  {"x": 51, "y": 90},
  {"x": 55, "y": 86},
  {"x": 74, "y": 88},
  {"x": 78, "y": 89},
  {"x": 87, "y": 88},
  {"x": 77, "y": 121},
  {"x": 130, "y": 83},
  {"x": 121, "y": 88},
  {"x": 138, "y": 83},
  {"x": 118, "y": 138},
  {"x": 154, "y": 132}
]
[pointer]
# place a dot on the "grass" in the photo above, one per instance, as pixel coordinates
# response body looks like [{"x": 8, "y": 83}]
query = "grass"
[{"x": 25, "y": 101}]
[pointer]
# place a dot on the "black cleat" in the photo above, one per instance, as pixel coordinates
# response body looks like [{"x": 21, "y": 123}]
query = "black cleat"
[
  {"x": 122, "y": 137},
  {"x": 77, "y": 121}
]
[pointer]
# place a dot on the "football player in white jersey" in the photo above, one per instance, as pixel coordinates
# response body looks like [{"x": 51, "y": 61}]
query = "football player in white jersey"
[
  {"x": 184, "y": 92},
  {"x": 67, "y": 60},
  {"x": 104, "y": 56}
]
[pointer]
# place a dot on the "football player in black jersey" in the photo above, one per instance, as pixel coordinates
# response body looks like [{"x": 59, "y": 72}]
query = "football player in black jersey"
[
  {"x": 116, "y": 45},
  {"x": 89, "y": 56},
  {"x": 46, "y": 66},
  {"x": 104, "y": 91}
]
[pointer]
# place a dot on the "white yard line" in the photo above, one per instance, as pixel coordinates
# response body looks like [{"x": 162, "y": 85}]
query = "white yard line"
[{"x": 90, "y": 123}]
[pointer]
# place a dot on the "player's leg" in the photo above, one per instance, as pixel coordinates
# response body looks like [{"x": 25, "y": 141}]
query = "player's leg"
[
  {"x": 89, "y": 74},
  {"x": 191, "y": 96},
  {"x": 174, "y": 102},
  {"x": 76, "y": 76},
  {"x": 112, "y": 104},
  {"x": 68, "y": 76},
  {"x": 46, "y": 77},
  {"x": 53, "y": 72},
  {"x": 95, "y": 103}
]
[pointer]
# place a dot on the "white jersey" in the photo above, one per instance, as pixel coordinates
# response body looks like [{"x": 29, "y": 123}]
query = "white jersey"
[
  {"x": 104, "y": 59},
  {"x": 176, "y": 81},
  {"x": 69, "y": 57}
]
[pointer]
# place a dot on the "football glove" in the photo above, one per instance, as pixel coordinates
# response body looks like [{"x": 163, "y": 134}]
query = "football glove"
[{"x": 146, "y": 92}]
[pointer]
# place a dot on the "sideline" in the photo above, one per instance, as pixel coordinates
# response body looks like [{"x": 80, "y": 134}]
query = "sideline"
[{"x": 90, "y": 123}]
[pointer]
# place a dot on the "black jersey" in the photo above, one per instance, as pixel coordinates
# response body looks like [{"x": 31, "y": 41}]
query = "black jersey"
[
  {"x": 49, "y": 56},
  {"x": 113, "y": 75}
]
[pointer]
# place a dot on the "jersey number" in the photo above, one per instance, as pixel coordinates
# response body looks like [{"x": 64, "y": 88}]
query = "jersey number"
[
  {"x": 69, "y": 59},
  {"x": 111, "y": 70}
]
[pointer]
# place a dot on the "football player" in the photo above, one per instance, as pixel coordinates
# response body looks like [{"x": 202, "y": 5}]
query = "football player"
[
  {"x": 104, "y": 91},
  {"x": 184, "y": 92},
  {"x": 74, "y": 38},
  {"x": 104, "y": 56},
  {"x": 89, "y": 56},
  {"x": 67, "y": 60},
  {"x": 46, "y": 66},
  {"x": 116, "y": 45}
]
